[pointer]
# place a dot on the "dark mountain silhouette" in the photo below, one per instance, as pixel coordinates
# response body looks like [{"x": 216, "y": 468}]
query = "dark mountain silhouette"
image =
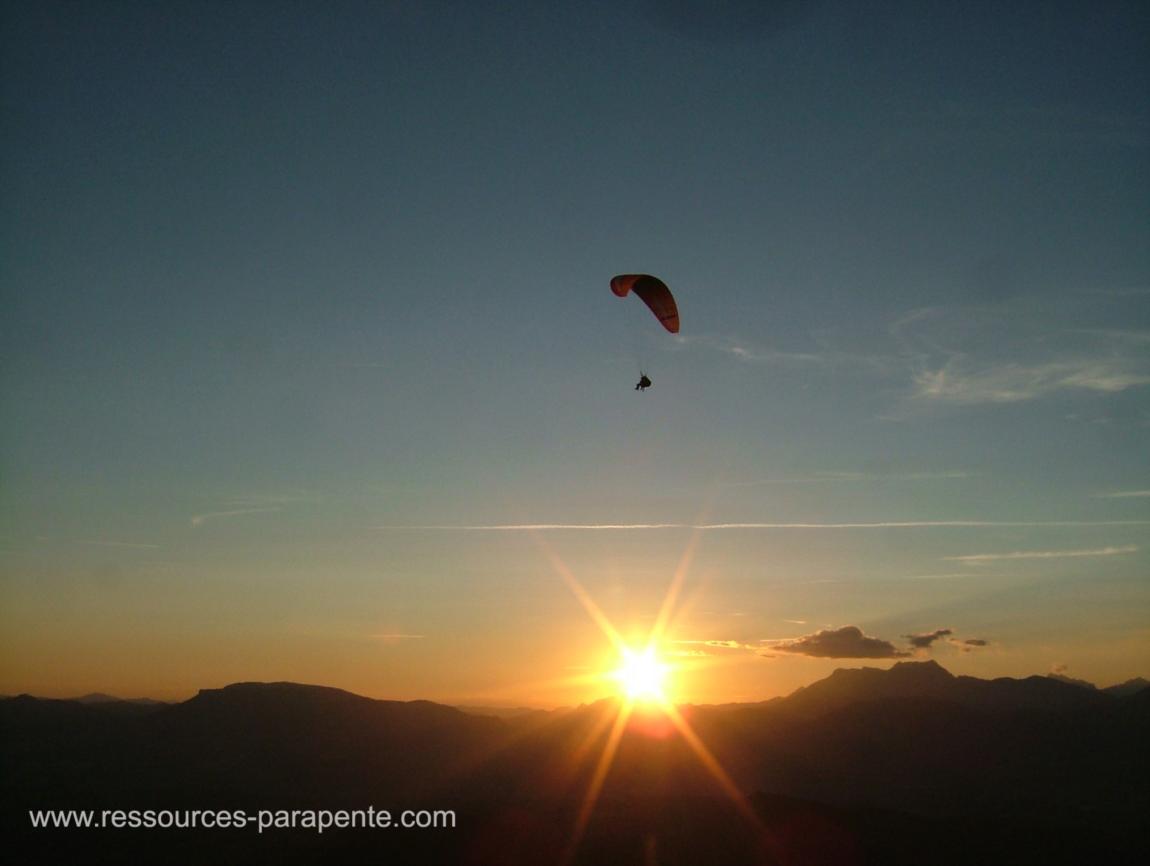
[
  {"x": 1127, "y": 688},
  {"x": 103, "y": 698},
  {"x": 1120, "y": 689},
  {"x": 906, "y": 765},
  {"x": 502, "y": 712},
  {"x": 96, "y": 698},
  {"x": 930, "y": 680},
  {"x": 1062, "y": 678}
]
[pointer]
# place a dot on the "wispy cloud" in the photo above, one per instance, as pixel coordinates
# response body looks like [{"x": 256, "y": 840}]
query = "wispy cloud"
[
  {"x": 822, "y": 355},
  {"x": 995, "y": 353},
  {"x": 1124, "y": 291},
  {"x": 1119, "y": 333},
  {"x": 852, "y": 477},
  {"x": 748, "y": 352},
  {"x": 923, "y": 640},
  {"x": 630, "y": 527},
  {"x": 1044, "y": 554},
  {"x": 717, "y": 647},
  {"x": 1003, "y": 354},
  {"x": 201, "y": 519},
  {"x": 392, "y": 638},
  {"x": 949, "y": 575},
  {"x": 1013, "y": 383},
  {"x": 1122, "y": 494},
  {"x": 267, "y": 500},
  {"x": 133, "y": 545}
]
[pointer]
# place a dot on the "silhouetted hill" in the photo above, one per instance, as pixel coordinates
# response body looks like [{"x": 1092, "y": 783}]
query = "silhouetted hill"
[
  {"x": 930, "y": 680},
  {"x": 96, "y": 698},
  {"x": 502, "y": 712},
  {"x": 1062, "y": 678},
  {"x": 305, "y": 742},
  {"x": 1130, "y": 687},
  {"x": 865, "y": 766},
  {"x": 102, "y": 698}
]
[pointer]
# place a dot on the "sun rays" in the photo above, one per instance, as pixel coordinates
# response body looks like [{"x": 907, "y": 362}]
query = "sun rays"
[
  {"x": 642, "y": 674},
  {"x": 641, "y": 680}
]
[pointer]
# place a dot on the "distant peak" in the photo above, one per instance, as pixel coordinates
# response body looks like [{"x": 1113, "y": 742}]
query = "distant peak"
[
  {"x": 1127, "y": 688},
  {"x": 1062, "y": 678},
  {"x": 925, "y": 668},
  {"x": 278, "y": 690},
  {"x": 98, "y": 698},
  {"x": 235, "y": 688}
]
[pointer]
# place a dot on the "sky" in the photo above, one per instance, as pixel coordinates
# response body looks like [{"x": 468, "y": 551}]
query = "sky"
[{"x": 310, "y": 370}]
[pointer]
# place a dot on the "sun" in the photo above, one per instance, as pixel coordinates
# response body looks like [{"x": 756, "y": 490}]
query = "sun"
[{"x": 641, "y": 675}]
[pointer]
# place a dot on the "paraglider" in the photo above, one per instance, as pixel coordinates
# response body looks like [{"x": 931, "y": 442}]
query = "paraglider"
[{"x": 654, "y": 293}]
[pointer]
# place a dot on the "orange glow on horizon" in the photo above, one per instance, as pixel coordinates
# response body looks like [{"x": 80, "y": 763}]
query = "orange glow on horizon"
[{"x": 642, "y": 680}]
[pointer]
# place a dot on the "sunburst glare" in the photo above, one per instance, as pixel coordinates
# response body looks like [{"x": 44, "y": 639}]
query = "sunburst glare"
[{"x": 642, "y": 675}]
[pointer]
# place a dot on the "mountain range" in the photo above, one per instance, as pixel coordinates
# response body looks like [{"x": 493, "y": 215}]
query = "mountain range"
[{"x": 905, "y": 765}]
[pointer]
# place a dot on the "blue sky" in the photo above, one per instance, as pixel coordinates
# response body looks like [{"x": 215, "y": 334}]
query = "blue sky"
[{"x": 282, "y": 279}]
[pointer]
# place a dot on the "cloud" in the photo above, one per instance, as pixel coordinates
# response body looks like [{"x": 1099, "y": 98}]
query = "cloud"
[
  {"x": 1014, "y": 383},
  {"x": 714, "y": 647},
  {"x": 750, "y": 353},
  {"x": 847, "y": 642},
  {"x": 1119, "y": 333},
  {"x": 1122, "y": 494},
  {"x": 924, "y": 640},
  {"x": 201, "y": 519},
  {"x": 949, "y": 575},
  {"x": 976, "y": 558},
  {"x": 823, "y": 355},
  {"x": 969, "y": 645},
  {"x": 626, "y": 527},
  {"x": 392, "y": 638},
  {"x": 746, "y": 353},
  {"x": 986, "y": 354},
  {"x": 1003, "y": 353},
  {"x": 849, "y": 477},
  {"x": 100, "y": 542}
]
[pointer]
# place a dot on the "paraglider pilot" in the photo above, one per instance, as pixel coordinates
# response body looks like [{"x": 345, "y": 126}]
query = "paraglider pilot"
[{"x": 654, "y": 293}]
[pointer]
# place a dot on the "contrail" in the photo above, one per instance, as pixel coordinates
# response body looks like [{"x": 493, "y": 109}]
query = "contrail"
[
  {"x": 129, "y": 544},
  {"x": 1043, "y": 554},
  {"x": 200, "y": 519},
  {"x": 625, "y": 527}
]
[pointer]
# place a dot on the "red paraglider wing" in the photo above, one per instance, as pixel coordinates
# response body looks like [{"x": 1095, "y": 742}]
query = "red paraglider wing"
[{"x": 654, "y": 293}]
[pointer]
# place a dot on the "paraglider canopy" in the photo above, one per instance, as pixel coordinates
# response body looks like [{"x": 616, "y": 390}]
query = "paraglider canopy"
[{"x": 654, "y": 293}]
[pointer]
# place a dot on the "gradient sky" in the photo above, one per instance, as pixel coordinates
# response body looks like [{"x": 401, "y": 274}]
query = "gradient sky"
[{"x": 299, "y": 297}]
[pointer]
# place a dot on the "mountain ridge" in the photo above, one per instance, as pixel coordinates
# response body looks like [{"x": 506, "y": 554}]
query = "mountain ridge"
[
  {"x": 925, "y": 678},
  {"x": 984, "y": 762}
]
